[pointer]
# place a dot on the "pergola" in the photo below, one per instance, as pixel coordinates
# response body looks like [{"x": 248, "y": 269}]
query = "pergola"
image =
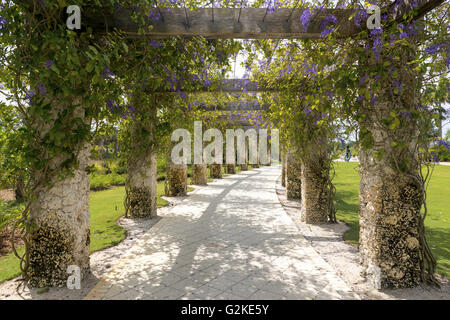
[{"x": 241, "y": 23}]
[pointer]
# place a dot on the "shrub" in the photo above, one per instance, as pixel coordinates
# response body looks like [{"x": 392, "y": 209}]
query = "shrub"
[{"x": 100, "y": 182}]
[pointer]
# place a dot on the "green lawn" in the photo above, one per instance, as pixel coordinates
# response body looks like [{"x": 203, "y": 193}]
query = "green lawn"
[
  {"x": 437, "y": 222},
  {"x": 106, "y": 207}
]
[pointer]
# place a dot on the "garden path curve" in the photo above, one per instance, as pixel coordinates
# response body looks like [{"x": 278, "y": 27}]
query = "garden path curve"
[{"x": 229, "y": 240}]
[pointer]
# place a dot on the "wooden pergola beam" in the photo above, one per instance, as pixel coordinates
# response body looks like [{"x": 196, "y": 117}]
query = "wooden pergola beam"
[
  {"x": 240, "y": 106},
  {"x": 253, "y": 22},
  {"x": 225, "y": 85}
]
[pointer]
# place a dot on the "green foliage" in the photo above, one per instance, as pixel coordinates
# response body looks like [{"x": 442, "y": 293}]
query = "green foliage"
[
  {"x": 100, "y": 182},
  {"x": 9, "y": 211}
]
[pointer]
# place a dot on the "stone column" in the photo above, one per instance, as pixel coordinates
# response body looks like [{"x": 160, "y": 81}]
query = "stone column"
[
  {"x": 293, "y": 175},
  {"x": 392, "y": 235},
  {"x": 215, "y": 171},
  {"x": 244, "y": 166},
  {"x": 177, "y": 179},
  {"x": 199, "y": 176},
  {"x": 315, "y": 188},
  {"x": 141, "y": 184},
  {"x": 231, "y": 168},
  {"x": 59, "y": 214}
]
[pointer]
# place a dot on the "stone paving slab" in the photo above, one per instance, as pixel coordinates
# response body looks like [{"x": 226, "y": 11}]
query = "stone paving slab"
[{"x": 229, "y": 240}]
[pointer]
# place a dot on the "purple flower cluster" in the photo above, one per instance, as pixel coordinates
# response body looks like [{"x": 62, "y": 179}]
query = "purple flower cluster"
[
  {"x": 377, "y": 46},
  {"x": 3, "y": 22},
  {"x": 155, "y": 44},
  {"x": 311, "y": 70},
  {"x": 42, "y": 89},
  {"x": 435, "y": 157},
  {"x": 124, "y": 111},
  {"x": 434, "y": 48},
  {"x": 154, "y": 15},
  {"x": 30, "y": 94},
  {"x": 326, "y": 32},
  {"x": 329, "y": 19},
  {"x": 107, "y": 73},
  {"x": 443, "y": 143},
  {"x": 361, "y": 16},
  {"x": 305, "y": 19},
  {"x": 49, "y": 63}
]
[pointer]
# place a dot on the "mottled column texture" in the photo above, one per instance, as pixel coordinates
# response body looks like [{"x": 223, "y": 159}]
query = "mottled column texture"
[
  {"x": 59, "y": 216},
  {"x": 283, "y": 170},
  {"x": 293, "y": 175},
  {"x": 314, "y": 181},
  {"x": 391, "y": 199},
  {"x": 215, "y": 171},
  {"x": 177, "y": 179},
  {"x": 231, "y": 168},
  {"x": 199, "y": 176},
  {"x": 142, "y": 172}
]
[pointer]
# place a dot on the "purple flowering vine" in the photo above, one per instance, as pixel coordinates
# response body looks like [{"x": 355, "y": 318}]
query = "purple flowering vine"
[
  {"x": 42, "y": 89},
  {"x": 305, "y": 19}
]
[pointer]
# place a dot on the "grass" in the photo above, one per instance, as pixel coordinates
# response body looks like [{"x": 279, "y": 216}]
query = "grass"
[
  {"x": 437, "y": 222},
  {"x": 101, "y": 182},
  {"x": 106, "y": 207}
]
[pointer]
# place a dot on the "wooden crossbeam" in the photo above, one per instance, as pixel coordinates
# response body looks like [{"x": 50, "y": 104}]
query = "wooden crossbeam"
[
  {"x": 278, "y": 25},
  {"x": 225, "y": 85},
  {"x": 239, "y": 106},
  {"x": 238, "y": 23}
]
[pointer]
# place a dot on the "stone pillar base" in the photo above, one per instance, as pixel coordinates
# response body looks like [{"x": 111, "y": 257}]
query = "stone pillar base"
[
  {"x": 177, "y": 180},
  {"x": 199, "y": 174},
  {"x": 59, "y": 234},
  {"x": 293, "y": 177},
  {"x": 231, "y": 168},
  {"x": 389, "y": 226},
  {"x": 141, "y": 186},
  {"x": 243, "y": 167},
  {"x": 215, "y": 171},
  {"x": 315, "y": 191}
]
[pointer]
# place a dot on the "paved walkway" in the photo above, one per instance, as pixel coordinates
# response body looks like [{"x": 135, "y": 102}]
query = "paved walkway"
[{"x": 229, "y": 240}]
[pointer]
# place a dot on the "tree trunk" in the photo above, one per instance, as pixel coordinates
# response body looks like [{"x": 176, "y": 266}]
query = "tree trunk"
[{"x": 199, "y": 174}]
